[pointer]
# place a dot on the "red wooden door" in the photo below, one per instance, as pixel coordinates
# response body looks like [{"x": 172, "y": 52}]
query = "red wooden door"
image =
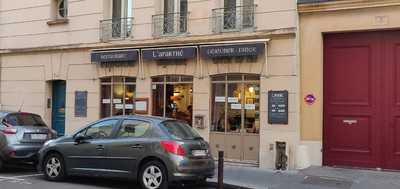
[
  {"x": 362, "y": 99},
  {"x": 352, "y": 100},
  {"x": 391, "y": 143}
]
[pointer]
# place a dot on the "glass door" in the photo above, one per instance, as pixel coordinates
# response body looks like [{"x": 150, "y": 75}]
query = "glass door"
[
  {"x": 173, "y": 97},
  {"x": 235, "y": 119}
]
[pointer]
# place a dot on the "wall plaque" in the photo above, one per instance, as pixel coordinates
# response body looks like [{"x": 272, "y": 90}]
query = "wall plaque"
[
  {"x": 278, "y": 102},
  {"x": 81, "y": 103}
]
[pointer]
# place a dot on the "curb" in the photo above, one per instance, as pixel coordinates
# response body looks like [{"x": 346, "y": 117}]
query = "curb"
[{"x": 227, "y": 186}]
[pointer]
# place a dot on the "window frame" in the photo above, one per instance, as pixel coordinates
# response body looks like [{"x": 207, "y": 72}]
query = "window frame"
[
  {"x": 242, "y": 82},
  {"x": 112, "y": 134},
  {"x": 126, "y": 81},
  {"x": 64, "y": 10},
  {"x": 146, "y": 135},
  {"x": 165, "y": 82}
]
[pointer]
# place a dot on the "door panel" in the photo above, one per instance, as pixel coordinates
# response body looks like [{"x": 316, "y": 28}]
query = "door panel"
[
  {"x": 352, "y": 118},
  {"x": 58, "y": 107},
  {"x": 391, "y": 145},
  {"x": 132, "y": 143},
  {"x": 84, "y": 157},
  {"x": 251, "y": 146},
  {"x": 233, "y": 146},
  {"x": 89, "y": 154}
]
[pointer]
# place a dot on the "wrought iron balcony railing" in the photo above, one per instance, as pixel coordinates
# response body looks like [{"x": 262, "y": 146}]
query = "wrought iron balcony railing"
[
  {"x": 233, "y": 19},
  {"x": 116, "y": 28},
  {"x": 170, "y": 24}
]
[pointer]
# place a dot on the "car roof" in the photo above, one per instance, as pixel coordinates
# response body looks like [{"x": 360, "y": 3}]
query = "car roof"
[
  {"x": 4, "y": 113},
  {"x": 156, "y": 119}
]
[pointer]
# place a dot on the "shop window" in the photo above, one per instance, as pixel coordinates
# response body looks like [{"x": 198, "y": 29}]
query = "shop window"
[
  {"x": 235, "y": 103},
  {"x": 117, "y": 96},
  {"x": 172, "y": 97}
]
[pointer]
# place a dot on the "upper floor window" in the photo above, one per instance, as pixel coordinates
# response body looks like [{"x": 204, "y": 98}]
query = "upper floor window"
[
  {"x": 62, "y": 9},
  {"x": 120, "y": 25},
  {"x": 58, "y": 12},
  {"x": 236, "y": 15},
  {"x": 173, "y": 20}
]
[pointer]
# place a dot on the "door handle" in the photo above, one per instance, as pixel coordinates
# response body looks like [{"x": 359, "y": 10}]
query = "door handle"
[
  {"x": 137, "y": 146},
  {"x": 100, "y": 147},
  {"x": 350, "y": 121}
]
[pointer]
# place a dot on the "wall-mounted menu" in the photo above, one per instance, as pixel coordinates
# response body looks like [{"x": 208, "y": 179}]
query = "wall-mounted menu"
[{"x": 278, "y": 107}]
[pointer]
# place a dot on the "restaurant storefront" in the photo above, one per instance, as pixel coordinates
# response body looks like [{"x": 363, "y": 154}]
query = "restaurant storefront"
[{"x": 179, "y": 77}]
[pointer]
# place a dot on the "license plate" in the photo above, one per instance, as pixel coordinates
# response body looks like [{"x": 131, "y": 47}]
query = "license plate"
[
  {"x": 38, "y": 136},
  {"x": 199, "y": 152}
]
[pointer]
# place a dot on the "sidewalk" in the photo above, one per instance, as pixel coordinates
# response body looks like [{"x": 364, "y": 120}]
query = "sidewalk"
[{"x": 310, "y": 178}]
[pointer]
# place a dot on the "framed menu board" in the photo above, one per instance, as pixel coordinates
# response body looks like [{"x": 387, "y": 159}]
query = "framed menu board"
[
  {"x": 278, "y": 102},
  {"x": 142, "y": 106},
  {"x": 81, "y": 103}
]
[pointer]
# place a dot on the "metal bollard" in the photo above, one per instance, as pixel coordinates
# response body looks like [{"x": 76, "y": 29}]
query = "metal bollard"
[{"x": 220, "y": 170}]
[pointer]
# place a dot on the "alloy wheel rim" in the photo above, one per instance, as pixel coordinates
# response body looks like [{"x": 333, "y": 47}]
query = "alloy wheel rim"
[
  {"x": 152, "y": 177},
  {"x": 53, "y": 167}
]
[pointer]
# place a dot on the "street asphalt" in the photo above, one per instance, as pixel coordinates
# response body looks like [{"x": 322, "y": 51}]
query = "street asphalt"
[{"x": 28, "y": 178}]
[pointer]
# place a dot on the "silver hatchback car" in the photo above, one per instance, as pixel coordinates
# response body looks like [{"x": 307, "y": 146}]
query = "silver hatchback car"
[
  {"x": 152, "y": 150},
  {"x": 21, "y": 137}
]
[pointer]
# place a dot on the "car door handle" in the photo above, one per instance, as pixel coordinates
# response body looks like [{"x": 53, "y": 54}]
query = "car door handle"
[
  {"x": 100, "y": 147},
  {"x": 137, "y": 146}
]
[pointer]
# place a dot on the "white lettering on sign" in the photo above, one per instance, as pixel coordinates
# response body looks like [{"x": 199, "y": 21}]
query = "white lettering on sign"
[
  {"x": 219, "y": 99},
  {"x": 106, "y": 101},
  {"x": 233, "y": 99},
  {"x": 163, "y": 54},
  {"x": 221, "y": 51},
  {"x": 247, "y": 50},
  {"x": 277, "y": 95},
  {"x": 250, "y": 106},
  {"x": 236, "y": 106},
  {"x": 112, "y": 56}
]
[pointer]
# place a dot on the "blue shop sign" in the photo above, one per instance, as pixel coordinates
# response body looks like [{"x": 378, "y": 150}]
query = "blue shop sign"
[
  {"x": 232, "y": 50},
  {"x": 130, "y": 55},
  {"x": 175, "y": 53}
]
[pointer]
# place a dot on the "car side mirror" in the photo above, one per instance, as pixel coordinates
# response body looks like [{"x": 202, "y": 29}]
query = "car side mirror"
[{"x": 80, "y": 139}]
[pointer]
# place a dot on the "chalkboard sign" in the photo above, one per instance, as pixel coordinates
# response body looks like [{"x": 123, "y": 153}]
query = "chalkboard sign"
[
  {"x": 278, "y": 107},
  {"x": 81, "y": 103}
]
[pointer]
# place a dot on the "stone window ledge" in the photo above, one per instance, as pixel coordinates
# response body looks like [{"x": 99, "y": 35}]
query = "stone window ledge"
[{"x": 57, "y": 21}]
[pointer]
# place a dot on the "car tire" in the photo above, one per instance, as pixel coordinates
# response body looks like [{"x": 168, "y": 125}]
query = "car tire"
[
  {"x": 153, "y": 175},
  {"x": 54, "y": 167}
]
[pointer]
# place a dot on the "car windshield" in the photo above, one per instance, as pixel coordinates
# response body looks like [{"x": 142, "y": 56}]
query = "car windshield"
[
  {"x": 180, "y": 130},
  {"x": 24, "y": 119}
]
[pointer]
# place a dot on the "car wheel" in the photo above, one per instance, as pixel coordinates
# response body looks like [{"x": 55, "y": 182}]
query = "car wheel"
[
  {"x": 153, "y": 175},
  {"x": 54, "y": 167}
]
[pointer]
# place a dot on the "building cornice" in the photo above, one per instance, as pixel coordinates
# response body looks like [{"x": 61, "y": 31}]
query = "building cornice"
[
  {"x": 169, "y": 41},
  {"x": 345, "y": 5}
]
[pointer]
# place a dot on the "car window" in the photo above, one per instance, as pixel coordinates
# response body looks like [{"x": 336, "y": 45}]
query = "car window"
[
  {"x": 24, "y": 119},
  {"x": 133, "y": 128},
  {"x": 100, "y": 130},
  {"x": 180, "y": 130}
]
